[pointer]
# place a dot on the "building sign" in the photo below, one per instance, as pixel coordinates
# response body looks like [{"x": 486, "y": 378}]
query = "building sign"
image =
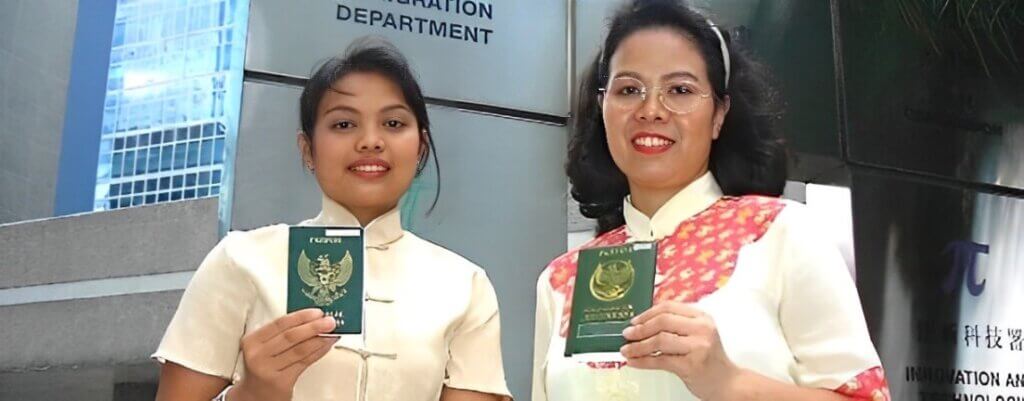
[{"x": 510, "y": 54}]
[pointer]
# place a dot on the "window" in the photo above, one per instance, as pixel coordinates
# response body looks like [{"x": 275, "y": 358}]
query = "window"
[
  {"x": 179, "y": 156},
  {"x": 154, "y": 160},
  {"x": 218, "y": 151},
  {"x": 140, "y": 162},
  {"x": 206, "y": 152},
  {"x": 193, "y": 154},
  {"x": 129, "y": 163},
  {"x": 115, "y": 168},
  {"x": 166, "y": 157}
]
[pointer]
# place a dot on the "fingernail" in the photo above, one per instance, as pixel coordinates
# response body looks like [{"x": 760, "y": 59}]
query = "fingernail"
[
  {"x": 633, "y": 320},
  {"x": 628, "y": 331}
]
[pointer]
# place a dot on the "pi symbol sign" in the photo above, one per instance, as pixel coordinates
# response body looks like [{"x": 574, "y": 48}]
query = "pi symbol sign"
[{"x": 965, "y": 259}]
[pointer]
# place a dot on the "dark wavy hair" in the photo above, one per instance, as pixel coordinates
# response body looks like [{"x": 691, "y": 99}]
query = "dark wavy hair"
[
  {"x": 371, "y": 54},
  {"x": 747, "y": 158}
]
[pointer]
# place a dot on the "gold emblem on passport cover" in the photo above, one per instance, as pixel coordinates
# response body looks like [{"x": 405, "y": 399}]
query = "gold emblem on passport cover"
[
  {"x": 612, "y": 279},
  {"x": 326, "y": 280}
]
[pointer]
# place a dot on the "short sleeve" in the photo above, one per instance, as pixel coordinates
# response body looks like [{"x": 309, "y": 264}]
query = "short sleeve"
[
  {"x": 819, "y": 309},
  {"x": 474, "y": 361},
  {"x": 206, "y": 331},
  {"x": 543, "y": 331}
]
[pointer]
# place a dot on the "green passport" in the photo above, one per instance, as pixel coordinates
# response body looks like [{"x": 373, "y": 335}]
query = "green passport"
[
  {"x": 325, "y": 270},
  {"x": 613, "y": 284}
]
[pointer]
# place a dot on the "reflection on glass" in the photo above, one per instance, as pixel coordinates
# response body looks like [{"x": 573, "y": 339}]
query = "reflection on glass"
[{"x": 173, "y": 94}]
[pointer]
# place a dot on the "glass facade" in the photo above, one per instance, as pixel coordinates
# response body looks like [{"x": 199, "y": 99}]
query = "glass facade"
[{"x": 173, "y": 93}]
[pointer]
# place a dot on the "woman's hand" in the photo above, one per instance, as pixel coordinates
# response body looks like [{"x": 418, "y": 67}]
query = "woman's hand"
[
  {"x": 679, "y": 338},
  {"x": 276, "y": 354}
]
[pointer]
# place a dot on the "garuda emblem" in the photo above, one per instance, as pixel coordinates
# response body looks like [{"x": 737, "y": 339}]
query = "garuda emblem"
[
  {"x": 326, "y": 280},
  {"x": 612, "y": 280}
]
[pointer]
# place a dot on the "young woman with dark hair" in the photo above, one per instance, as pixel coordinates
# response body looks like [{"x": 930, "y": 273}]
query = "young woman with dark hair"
[
  {"x": 432, "y": 325},
  {"x": 674, "y": 143}
]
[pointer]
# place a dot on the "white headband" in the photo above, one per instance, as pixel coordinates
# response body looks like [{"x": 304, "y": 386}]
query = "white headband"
[{"x": 725, "y": 50}]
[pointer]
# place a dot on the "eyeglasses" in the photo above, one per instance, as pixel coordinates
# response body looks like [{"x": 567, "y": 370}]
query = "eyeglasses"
[{"x": 679, "y": 97}]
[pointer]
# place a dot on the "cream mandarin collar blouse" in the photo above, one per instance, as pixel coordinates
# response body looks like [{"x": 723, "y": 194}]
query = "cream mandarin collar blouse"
[{"x": 431, "y": 316}]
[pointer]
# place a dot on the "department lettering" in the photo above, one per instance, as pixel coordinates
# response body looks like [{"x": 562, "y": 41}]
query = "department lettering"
[{"x": 417, "y": 25}]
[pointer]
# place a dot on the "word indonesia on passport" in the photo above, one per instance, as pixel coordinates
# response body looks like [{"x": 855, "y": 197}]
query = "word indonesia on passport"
[
  {"x": 326, "y": 271},
  {"x": 613, "y": 284}
]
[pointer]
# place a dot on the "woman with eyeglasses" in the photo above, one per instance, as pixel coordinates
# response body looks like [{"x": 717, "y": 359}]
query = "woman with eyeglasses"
[
  {"x": 674, "y": 144},
  {"x": 432, "y": 326}
]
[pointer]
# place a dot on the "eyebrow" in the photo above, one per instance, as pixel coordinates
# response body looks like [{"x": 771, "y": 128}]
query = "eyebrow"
[
  {"x": 342, "y": 108},
  {"x": 671, "y": 75},
  {"x": 395, "y": 107},
  {"x": 355, "y": 111},
  {"x": 680, "y": 74}
]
